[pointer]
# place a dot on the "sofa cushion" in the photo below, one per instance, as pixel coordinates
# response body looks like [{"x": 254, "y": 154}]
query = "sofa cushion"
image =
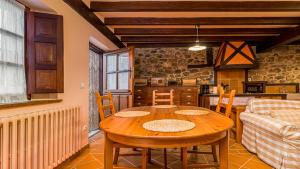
[
  {"x": 265, "y": 106},
  {"x": 291, "y": 116},
  {"x": 273, "y": 125}
]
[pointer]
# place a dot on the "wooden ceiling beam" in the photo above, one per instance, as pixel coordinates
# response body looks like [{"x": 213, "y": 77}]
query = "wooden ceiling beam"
[
  {"x": 89, "y": 16},
  {"x": 157, "y": 45},
  {"x": 289, "y": 36},
  {"x": 192, "y": 31},
  {"x": 203, "y": 21},
  {"x": 174, "y": 39},
  {"x": 195, "y": 6},
  {"x": 171, "y": 45}
]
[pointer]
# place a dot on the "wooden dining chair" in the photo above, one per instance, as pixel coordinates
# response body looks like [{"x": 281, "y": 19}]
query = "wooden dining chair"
[
  {"x": 224, "y": 107},
  {"x": 105, "y": 103},
  {"x": 234, "y": 115},
  {"x": 161, "y": 98}
]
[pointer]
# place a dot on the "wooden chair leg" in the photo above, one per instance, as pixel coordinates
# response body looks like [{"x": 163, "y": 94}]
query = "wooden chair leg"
[
  {"x": 149, "y": 156},
  {"x": 195, "y": 148},
  {"x": 214, "y": 152},
  {"x": 184, "y": 158},
  {"x": 116, "y": 156},
  {"x": 144, "y": 158},
  {"x": 181, "y": 154},
  {"x": 165, "y": 159}
]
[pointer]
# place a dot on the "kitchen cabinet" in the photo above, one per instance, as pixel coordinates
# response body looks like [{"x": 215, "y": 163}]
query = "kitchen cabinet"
[{"x": 183, "y": 95}]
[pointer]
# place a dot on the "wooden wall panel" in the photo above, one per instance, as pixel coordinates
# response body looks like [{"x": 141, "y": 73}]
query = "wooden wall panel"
[
  {"x": 234, "y": 78},
  {"x": 46, "y": 80},
  {"x": 45, "y": 27},
  {"x": 123, "y": 102},
  {"x": 45, "y": 53},
  {"x": 116, "y": 100}
]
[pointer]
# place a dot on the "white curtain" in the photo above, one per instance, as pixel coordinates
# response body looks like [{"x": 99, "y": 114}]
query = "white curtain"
[{"x": 12, "y": 71}]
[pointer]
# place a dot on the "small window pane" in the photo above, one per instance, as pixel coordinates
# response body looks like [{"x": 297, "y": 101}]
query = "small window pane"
[
  {"x": 12, "y": 71},
  {"x": 111, "y": 81},
  {"x": 111, "y": 63},
  {"x": 123, "y": 80},
  {"x": 123, "y": 62}
]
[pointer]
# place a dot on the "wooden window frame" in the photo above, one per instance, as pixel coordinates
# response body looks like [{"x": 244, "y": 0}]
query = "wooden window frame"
[
  {"x": 117, "y": 72},
  {"x": 16, "y": 65}
]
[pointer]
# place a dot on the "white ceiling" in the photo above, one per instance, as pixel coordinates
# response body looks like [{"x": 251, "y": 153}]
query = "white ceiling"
[{"x": 36, "y": 5}]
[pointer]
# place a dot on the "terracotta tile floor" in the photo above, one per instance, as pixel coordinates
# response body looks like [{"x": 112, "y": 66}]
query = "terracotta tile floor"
[{"x": 93, "y": 157}]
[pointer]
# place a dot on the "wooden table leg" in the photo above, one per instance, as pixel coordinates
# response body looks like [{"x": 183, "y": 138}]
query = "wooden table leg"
[
  {"x": 108, "y": 153},
  {"x": 224, "y": 147},
  {"x": 239, "y": 131},
  {"x": 238, "y": 123},
  {"x": 144, "y": 158},
  {"x": 165, "y": 159},
  {"x": 184, "y": 158}
]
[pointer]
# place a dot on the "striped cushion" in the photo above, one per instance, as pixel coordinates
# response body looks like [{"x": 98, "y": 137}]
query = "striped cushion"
[
  {"x": 291, "y": 116},
  {"x": 265, "y": 106}
]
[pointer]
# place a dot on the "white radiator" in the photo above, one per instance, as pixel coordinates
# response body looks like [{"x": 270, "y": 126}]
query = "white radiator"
[{"x": 39, "y": 140}]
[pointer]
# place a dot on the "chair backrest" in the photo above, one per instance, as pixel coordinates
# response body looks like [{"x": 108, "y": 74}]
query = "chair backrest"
[
  {"x": 102, "y": 106},
  {"x": 158, "y": 98},
  {"x": 225, "y": 105}
]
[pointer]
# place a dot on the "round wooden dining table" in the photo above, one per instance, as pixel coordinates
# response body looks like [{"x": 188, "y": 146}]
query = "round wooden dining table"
[{"x": 209, "y": 128}]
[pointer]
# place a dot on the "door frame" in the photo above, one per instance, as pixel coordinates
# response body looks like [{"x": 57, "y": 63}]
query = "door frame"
[{"x": 99, "y": 52}]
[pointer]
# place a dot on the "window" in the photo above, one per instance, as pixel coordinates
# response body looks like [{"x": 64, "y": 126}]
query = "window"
[
  {"x": 117, "y": 71},
  {"x": 12, "y": 71}
]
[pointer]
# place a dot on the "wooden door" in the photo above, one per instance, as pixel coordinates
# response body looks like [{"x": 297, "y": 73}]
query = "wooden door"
[{"x": 118, "y": 76}]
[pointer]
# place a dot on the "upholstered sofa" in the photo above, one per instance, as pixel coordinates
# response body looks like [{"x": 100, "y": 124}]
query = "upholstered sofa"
[{"x": 271, "y": 129}]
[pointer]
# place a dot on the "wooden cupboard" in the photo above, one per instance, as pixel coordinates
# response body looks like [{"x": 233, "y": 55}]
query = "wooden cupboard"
[
  {"x": 183, "y": 95},
  {"x": 232, "y": 78}
]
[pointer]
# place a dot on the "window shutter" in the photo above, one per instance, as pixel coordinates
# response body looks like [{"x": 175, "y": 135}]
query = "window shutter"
[{"x": 44, "y": 53}]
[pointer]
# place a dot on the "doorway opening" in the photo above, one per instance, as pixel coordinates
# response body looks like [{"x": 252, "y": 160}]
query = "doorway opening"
[{"x": 95, "y": 84}]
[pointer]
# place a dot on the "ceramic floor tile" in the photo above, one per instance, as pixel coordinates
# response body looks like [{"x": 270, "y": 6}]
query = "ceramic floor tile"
[
  {"x": 93, "y": 157},
  {"x": 81, "y": 159},
  {"x": 89, "y": 165},
  {"x": 99, "y": 157},
  {"x": 256, "y": 163}
]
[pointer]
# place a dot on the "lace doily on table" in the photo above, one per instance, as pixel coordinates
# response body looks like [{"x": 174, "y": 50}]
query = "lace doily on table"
[
  {"x": 192, "y": 112},
  {"x": 169, "y": 125},
  {"x": 131, "y": 113},
  {"x": 164, "y": 106}
]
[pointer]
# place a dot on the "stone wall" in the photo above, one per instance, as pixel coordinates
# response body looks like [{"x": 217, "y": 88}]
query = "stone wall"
[
  {"x": 171, "y": 63},
  {"x": 281, "y": 65}
]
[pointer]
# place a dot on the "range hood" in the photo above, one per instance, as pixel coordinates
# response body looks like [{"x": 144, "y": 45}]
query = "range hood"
[{"x": 235, "y": 55}]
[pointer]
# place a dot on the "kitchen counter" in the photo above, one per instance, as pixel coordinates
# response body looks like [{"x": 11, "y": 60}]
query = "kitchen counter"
[
  {"x": 208, "y": 100},
  {"x": 283, "y": 95}
]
